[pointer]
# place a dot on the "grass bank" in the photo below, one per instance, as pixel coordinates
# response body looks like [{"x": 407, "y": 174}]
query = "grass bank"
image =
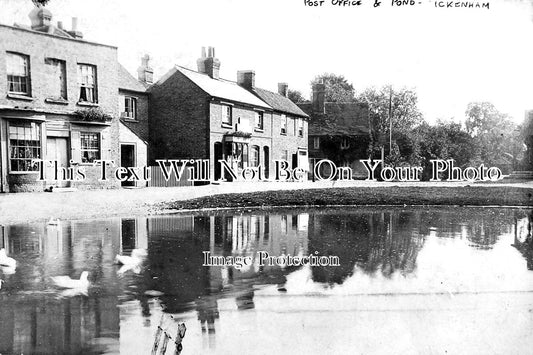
[{"x": 367, "y": 195}]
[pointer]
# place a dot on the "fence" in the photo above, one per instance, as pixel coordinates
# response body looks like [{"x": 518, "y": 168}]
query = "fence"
[{"x": 158, "y": 179}]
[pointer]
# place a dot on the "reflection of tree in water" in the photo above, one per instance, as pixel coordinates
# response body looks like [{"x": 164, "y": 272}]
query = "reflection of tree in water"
[
  {"x": 482, "y": 228},
  {"x": 386, "y": 241},
  {"x": 523, "y": 235}
]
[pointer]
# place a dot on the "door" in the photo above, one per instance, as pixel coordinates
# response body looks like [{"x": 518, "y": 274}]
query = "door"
[
  {"x": 218, "y": 156},
  {"x": 57, "y": 149},
  {"x": 127, "y": 159}
]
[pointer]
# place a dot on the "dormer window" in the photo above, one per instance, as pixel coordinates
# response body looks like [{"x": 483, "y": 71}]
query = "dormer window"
[{"x": 18, "y": 74}]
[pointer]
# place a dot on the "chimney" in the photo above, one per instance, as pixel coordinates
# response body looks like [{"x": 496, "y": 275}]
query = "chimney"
[
  {"x": 319, "y": 96},
  {"x": 246, "y": 79},
  {"x": 74, "y": 31},
  {"x": 60, "y": 25},
  {"x": 209, "y": 65},
  {"x": 145, "y": 73},
  {"x": 40, "y": 18},
  {"x": 283, "y": 89}
]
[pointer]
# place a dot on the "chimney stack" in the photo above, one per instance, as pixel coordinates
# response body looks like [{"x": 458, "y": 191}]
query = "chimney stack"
[
  {"x": 40, "y": 18},
  {"x": 209, "y": 65},
  {"x": 60, "y": 25},
  {"x": 319, "y": 97},
  {"x": 246, "y": 79},
  {"x": 74, "y": 31},
  {"x": 145, "y": 73},
  {"x": 283, "y": 89}
]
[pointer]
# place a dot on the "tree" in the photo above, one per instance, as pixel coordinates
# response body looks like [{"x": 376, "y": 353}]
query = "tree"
[
  {"x": 387, "y": 105},
  {"x": 295, "y": 96},
  {"x": 496, "y": 136},
  {"x": 338, "y": 89},
  {"x": 40, "y": 3}
]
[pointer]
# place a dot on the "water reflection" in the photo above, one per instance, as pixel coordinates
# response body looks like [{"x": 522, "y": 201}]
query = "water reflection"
[{"x": 123, "y": 307}]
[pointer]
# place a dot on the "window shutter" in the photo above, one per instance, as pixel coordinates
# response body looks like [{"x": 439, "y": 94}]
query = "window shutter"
[{"x": 75, "y": 146}]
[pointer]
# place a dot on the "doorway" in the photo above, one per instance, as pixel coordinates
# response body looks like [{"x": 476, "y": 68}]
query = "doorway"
[
  {"x": 218, "y": 156},
  {"x": 57, "y": 149},
  {"x": 127, "y": 159}
]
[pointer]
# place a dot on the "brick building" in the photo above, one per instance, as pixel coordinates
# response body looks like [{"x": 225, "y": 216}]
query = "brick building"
[
  {"x": 339, "y": 132},
  {"x": 198, "y": 115},
  {"x": 59, "y": 100}
]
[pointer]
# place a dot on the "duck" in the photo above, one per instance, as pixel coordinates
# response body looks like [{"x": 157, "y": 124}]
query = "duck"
[
  {"x": 6, "y": 260},
  {"x": 67, "y": 282},
  {"x": 132, "y": 262}
]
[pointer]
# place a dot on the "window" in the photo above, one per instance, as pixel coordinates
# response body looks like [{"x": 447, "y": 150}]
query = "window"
[
  {"x": 25, "y": 145},
  {"x": 259, "y": 121},
  {"x": 300, "y": 127},
  {"x": 237, "y": 152},
  {"x": 90, "y": 147},
  {"x": 58, "y": 78},
  {"x": 283, "y": 124},
  {"x": 87, "y": 83},
  {"x": 130, "y": 107},
  {"x": 344, "y": 143},
  {"x": 227, "y": 115},
  {"x": 316, "y": 142},
  {"x": 285, "y": 155},
  {"x": 18, "y": 74},
  {"x": 255, "y": 156}
]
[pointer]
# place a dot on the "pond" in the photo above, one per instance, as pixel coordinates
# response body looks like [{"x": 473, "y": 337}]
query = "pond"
[{"x": 408, "y": 280}]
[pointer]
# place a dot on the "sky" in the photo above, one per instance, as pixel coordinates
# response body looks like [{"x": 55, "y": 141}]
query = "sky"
[{"x": 451, "y": 56}]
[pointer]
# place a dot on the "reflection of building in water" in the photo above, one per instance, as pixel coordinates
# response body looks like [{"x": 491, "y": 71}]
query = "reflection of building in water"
[{"x": 41, "y": 322}]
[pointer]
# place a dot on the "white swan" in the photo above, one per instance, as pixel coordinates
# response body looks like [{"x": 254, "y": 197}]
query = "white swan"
[
  {"x": 132, "y": 262},
  {"x": 67, "y": 282},
  {"x": 6, "y": 260}
]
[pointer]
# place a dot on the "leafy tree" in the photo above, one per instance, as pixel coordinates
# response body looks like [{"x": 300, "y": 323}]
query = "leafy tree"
[
  {"x": 496, "y": 136},
  {"x": 338, "y": 89},
  {"x": 40, "y": 3},
  {"x": 295, "y": 96},
  {"x": 387, "y": 105}
]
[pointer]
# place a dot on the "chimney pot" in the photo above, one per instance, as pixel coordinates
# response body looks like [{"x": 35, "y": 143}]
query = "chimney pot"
[
  {"x": 74, "y": 24},
  {"x": 60, "y": 25},
  {"x": 209, "y": 65},
  {"x": 145, "y": 73}
]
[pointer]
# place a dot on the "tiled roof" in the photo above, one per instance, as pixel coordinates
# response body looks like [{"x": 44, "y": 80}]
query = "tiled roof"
[
  {"x": 127, "y": 82},
  {"x": 222, "y": 89},
  {"x": 339, "y": 119},
  {"x": 279, "y": 102}
]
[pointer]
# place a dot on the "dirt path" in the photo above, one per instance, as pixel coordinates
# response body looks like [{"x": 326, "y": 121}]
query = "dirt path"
[{"x": 30, "y": 207}]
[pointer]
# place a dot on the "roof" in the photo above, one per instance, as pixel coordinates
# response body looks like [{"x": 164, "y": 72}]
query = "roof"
[
  {"x": 339, "y": 119},
  {"x": 221, "y": 88},
  {"x": 279, "y": 102},
  {"x": 126, "y": 81}
]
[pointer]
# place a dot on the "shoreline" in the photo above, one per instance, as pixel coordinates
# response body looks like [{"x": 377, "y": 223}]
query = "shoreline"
[{"x": 96, "y": 204}]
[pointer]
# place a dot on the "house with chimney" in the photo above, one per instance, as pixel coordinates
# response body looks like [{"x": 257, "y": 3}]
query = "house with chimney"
[
  {"x": 64, "y": 99},
  {"x": 338, "y": 131},
  {"x": 196, "y": 114}
]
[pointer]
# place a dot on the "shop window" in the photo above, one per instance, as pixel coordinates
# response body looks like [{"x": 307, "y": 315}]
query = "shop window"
[
  {"x": 18, "y": 74},
  {"x": 90, "y": 147},
  {"x": 254, "y": 161},
  {"x": 24, "y": 146}
]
